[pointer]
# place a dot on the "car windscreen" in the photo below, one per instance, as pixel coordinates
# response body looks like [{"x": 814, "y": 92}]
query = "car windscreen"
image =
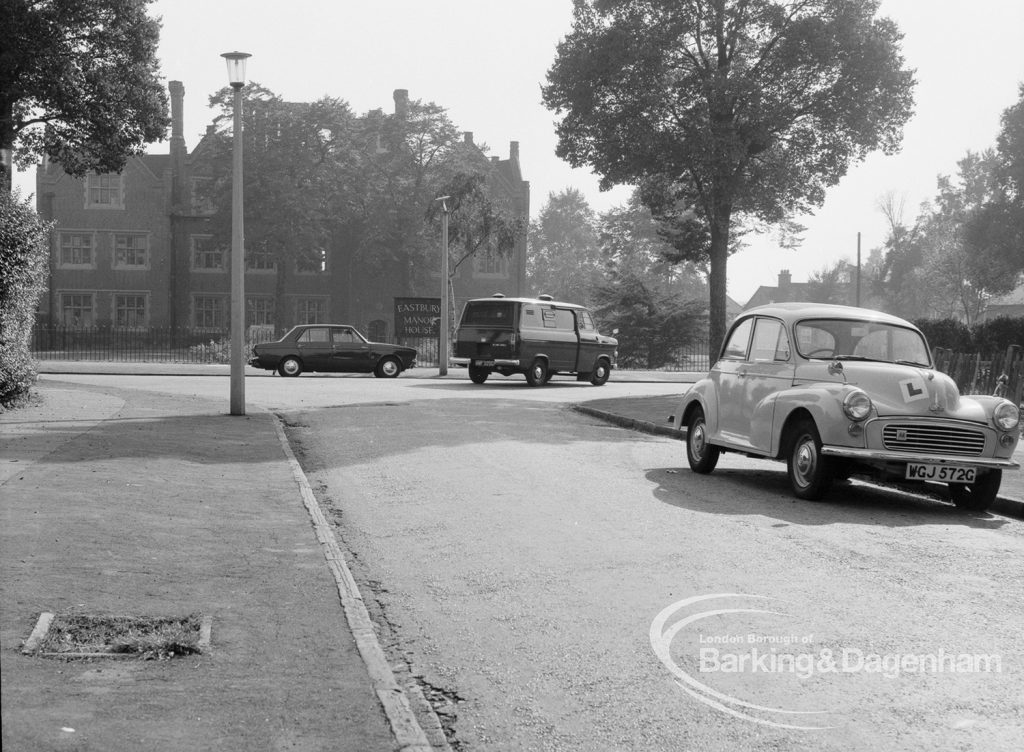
[
  {"x": 852, "y": 339},
  {"x": 488, "y": 313}
]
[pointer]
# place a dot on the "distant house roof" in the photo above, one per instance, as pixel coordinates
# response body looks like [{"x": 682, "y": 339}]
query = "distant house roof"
[
  {"x": 1010, "y": 304},
  {"x": 785, "y": 292}
]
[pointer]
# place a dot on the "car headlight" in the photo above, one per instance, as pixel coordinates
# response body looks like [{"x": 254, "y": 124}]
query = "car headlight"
[
  {"x": 857, "y": 405},
  {"x": 1006, "y": 416}
]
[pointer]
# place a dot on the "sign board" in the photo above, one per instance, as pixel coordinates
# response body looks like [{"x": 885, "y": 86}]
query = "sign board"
[{"x": 417, "y": 317}]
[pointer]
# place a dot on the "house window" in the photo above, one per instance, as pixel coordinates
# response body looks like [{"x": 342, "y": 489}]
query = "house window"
[
  {"x": 130, "y": 310},
  {"x": 311, "y": 311},
  {"x": 76, "y": 249},
  {"x": 490, "y": 265},
  {"x": 260, "y": 260},
  {"x": 312, "y": 261},
  {"x": 104, "y": 192},
  {"x": 259, "y": 311},
  {"x": 77, "y": 309},
  {"x": 206, "y": 257},
  {"x": 202, "y": 196},
  {"x": 131, "y": 251},
  {"x": 209, "y": 312}
]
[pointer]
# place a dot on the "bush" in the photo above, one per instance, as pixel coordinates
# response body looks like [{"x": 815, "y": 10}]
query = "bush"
[
  {"x": 986, "y": 337},
  {"x": 24, "y": 253}
]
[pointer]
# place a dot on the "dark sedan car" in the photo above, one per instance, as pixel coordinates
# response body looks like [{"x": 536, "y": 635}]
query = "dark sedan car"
[{"x": 331, "y": 347}]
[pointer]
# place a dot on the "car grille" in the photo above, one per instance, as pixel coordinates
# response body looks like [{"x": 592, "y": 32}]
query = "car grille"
[{"x": 936, "y": 439}]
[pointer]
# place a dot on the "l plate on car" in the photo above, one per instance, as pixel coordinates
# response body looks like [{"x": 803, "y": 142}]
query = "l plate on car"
[{"x": 945, "y": 473}]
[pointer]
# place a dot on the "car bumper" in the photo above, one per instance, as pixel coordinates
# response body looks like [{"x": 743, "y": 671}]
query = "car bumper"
[
  {"x": 495, "y": 362},
  {"x": 874, "y": 455}
]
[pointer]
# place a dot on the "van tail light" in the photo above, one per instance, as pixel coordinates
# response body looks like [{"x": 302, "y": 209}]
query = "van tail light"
[{"x": 512, "y": 340}]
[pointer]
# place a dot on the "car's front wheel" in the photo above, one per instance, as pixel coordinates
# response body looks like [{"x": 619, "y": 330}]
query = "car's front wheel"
[
  {"x": 977, "y": 496},
  {"x": 701, "y": 455},
  {"x": 387, "y": 368},
  {"x": 289, "y": 366},
  {"x": 599, "y": 376},
  {"x": 810, "y": 474}
]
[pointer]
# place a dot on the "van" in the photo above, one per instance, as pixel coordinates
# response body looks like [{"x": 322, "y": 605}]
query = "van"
[{"x": 537, "y": 337}]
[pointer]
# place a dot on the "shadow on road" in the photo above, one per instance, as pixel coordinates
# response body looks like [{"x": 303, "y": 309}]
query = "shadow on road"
[{"x": 767, "y": 493}]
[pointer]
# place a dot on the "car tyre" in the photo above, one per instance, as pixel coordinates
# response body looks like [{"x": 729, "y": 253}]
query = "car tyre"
[
  {"x": 977, "y": 496},
  {"x": 478, "y": 375},
  {"x": 289, "y": 366},
  {"x": 537, "y": 375},
  {"x": 599, "y": 376},
  {"x": 701, "y": 455},
  {"x": 388, "y": 368},
  {"x": 810, "y": 473}
]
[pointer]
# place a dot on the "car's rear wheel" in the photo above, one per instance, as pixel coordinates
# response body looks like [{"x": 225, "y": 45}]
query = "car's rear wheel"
[
  {"x": 478, "y": 374},
  {"x": 537, "y": 375},
  {"x": 388, "y": 368},
  {"x": 810, "y": 473},
  {"x": 289, "y": 366},
  {"x": 599, "y": 376},
  {"x": 701, "y": 455},
  {"x": 977, "y": 496}
]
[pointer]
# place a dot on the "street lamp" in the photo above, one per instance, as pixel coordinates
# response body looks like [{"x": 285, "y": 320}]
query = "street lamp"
[
  {"x": 442, "y": 346},
  {"x": 236, "y": 77}
]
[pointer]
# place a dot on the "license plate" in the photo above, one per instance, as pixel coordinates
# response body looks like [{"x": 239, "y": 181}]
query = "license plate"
[
  {"x": 944, "y": 473},
  {"x": 483, "y": 362}
]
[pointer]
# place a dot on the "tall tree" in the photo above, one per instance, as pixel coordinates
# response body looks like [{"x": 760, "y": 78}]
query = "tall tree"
[
  {"x": 565, "y": 256},
  {"x": 79, "y": 83},
  {"x": 732, "y": 107}
]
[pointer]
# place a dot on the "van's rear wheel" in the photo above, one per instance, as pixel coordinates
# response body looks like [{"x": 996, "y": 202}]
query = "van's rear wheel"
[
  {"x": 537, "y": 375},
  {"x": 478, "y": 375}
]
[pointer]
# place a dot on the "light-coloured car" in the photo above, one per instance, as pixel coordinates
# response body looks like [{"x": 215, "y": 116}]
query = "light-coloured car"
[{"x": 836, "y": 391}]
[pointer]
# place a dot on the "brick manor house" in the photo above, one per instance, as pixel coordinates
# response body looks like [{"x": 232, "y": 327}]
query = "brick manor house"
[{"x": 132, "y": 250}]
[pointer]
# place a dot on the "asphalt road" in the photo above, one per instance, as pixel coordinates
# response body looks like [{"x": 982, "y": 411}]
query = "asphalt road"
[
  {"x": 518, "y": 555},
  {"x": 558, "y": 583}
]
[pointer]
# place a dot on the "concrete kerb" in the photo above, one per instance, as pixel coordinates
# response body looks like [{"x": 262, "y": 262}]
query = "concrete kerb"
[
  {"x": 1002, "y": 505},
  {"x": 408, "y": 732}
]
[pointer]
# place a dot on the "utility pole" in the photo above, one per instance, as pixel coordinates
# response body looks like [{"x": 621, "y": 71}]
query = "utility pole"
[
  {"x": 858, "y": 270},
  {"x": 442, "y": 346}
]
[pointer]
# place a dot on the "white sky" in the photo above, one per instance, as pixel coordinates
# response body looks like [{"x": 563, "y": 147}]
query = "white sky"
[{"x": 485, "y": 61}]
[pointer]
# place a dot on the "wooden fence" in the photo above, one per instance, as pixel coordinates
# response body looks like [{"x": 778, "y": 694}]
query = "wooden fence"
[{"x": 978, "y": 373}]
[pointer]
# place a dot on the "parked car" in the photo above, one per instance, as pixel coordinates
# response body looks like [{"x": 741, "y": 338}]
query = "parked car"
[
  {"x": 332, "y": 348},
  {"x": 537, "y": 337},
  {"x": 836, "y": 391}
]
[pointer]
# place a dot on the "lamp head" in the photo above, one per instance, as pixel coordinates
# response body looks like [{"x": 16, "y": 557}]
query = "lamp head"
[{"x": 236, "y": 67}]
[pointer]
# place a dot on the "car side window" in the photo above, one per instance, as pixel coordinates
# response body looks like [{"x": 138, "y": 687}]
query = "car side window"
[
  {"x": 344, "y": 335},
  {"x": 736, "y": 347},
  {"x": 319, "y": 334},
  {"x": 586, "y": 323},
  {"x": 770, "y": 341}
]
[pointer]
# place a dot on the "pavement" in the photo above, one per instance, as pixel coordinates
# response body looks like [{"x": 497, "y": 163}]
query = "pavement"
[{"x": 120, "y": 501}]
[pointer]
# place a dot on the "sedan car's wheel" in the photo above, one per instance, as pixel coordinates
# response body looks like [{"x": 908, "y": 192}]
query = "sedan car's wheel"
[
  {"x": 478, "y": 374},
  {"x": 387, "y": 368},
  {"x": 977, "y": 496},
  {"x": 599, "y": 376},
  {"x": 810, "y": 474},
  {"x": 701, "y": 455},
  {"x": 538, "y": 373},
  {"x": 289, "y": 366}
]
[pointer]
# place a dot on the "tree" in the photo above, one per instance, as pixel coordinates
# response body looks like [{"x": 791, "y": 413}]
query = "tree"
[
  {"x": 565, "y": 256},
  {"x": 732, "y": 108},
  {"x": 79, "y": 82},
  {"x": 994, "y": 232}
]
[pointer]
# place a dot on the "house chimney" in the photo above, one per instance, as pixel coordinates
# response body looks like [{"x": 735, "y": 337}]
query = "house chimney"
[
  {"x": 401, "y": 103},
  {"x": 177, "y": 90},
  {"x": 513, "y": 151},
  {"x": 785, "y": 278}
]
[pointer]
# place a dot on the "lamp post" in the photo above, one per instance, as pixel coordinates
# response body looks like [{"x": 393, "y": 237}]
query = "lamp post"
[
  {"x": 236, "y": 77},
  {"x": 442, "y": 347}
]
